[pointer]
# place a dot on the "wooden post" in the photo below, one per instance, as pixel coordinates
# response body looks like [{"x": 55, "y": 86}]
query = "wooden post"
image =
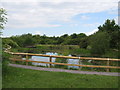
[
  {"x": 108, "y": 63},
  {"x": 14, "y": 58},
  {"x": 50, "y": 61},
  {"x": 79, "y": 64},
  {"x": 26, "y": 59}
]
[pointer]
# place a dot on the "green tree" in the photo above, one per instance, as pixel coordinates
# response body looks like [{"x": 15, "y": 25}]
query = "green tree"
[
  {"x": 83, "y": 42},
  {"x": 8, "y": 41},
  {"x": 100, "y": 43},
  {"x": 73, "y": 36},
  {"x": 82, "y": 35},
  {"x": 109, "y": 26},
  {"x": 3, "y": 56},
  {"x": 65, "y": 35},
  {"x": 113, "y": 30},
  {"x": 3, "y": 18}
]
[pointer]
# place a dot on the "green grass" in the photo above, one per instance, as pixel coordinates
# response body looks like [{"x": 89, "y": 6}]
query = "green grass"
[{"x": 26, "y": 78}]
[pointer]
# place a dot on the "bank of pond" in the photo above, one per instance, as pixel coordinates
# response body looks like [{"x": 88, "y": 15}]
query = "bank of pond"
[{"x": 66, "y": 50}]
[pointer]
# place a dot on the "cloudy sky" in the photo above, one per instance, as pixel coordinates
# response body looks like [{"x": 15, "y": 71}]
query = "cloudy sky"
[{"x": 57, "y": 17}]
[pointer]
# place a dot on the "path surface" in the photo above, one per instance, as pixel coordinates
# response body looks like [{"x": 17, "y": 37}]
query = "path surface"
[{"x": 63, "y": 70}]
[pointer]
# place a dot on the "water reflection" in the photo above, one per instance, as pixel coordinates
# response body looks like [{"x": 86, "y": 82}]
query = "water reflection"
[
  {"x": 74, "y": 61},
  {"x": 59, "y": 60}
]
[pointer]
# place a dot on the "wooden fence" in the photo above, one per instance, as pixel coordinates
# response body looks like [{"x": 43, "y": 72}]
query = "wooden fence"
[{"x": 70, "y": 57}]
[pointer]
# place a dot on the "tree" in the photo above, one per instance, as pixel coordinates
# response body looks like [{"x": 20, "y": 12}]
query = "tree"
[
  {"x": 73, "y": 36},
  {"x": 82, "y": 35},
  {"x": 100, "y": 43},
  {"x": 112, "y": 29},
  {"x": 65, "y": 35},
  {"x": 8, "y": 41},
  {"x": 109, "y": 26},
  {"x": 4, "y": 57},
  {"x": 83, "y": 43},
  {"x": 3, "y": 18}
]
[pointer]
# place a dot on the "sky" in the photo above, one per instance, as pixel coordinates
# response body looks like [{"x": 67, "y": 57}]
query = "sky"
[{"x": 57, "y": 17}]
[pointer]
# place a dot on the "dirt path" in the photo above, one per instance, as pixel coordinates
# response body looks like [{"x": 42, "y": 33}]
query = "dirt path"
[{"x": 63, "y": 70}]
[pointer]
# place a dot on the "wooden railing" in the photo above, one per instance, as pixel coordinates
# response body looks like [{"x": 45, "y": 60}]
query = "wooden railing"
[{"x": 70, "y": 57}]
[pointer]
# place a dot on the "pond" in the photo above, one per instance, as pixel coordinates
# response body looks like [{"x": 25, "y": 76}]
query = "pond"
[{"x": 59, "y": 60}]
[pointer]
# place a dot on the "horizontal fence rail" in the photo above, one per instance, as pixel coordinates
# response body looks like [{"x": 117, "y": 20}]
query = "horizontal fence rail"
[
  {"x": 108, "y": 67},
  {"x": 95, "y": 66},
  {"x": 70, "y": 57}
]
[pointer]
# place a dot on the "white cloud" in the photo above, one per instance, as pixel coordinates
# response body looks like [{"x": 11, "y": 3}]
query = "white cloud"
[
  {"x": 26, "y": 13},
  {"x": 116, "y": 20},
  {"x": 60, "y": 1},
  {"x": 38, "y": 33},
  {"x": 91, "y": 24},
  {"x": 91, "y": 32},
  {"x": 85, "y": 17}
]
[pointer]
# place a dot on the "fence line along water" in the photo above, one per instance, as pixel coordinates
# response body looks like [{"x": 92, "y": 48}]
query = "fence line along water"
[{"x": 70, "y": 57}]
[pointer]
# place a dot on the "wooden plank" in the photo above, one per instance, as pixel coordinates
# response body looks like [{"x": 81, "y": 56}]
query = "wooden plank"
[
  {"x": 69, "y": 64},
  {"x": 56, "y": 56}
]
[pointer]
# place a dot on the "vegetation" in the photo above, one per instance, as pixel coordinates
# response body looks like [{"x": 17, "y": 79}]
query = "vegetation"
[
  {"x": 3, "y": 18},
  {"x": 5, "y": 58},
  {"x": 25, "y": 78},
  {"x": 100, "y": 43},
  {"x": 104, "y": 40}
]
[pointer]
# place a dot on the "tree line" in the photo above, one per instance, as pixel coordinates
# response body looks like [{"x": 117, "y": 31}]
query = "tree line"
[{"x": 107, "y": 37}]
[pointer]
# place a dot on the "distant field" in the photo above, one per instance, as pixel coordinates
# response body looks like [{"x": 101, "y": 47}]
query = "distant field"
[{"x": 25, "y": 78}]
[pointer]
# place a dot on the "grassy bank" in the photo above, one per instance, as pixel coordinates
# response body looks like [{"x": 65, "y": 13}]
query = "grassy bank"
[
  {"x": 25, "y": 78},
  {"x": 66, "y": 50},
  {"x": 61, "y": 49}
]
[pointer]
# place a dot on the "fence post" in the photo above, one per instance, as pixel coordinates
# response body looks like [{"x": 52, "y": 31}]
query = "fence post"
[
  {"x": 79, "y": 64},
  {"x": 13, "y": 58},
  {"x": 26, "y": 59},
  {"x": 50, "y": 61},
  {"x": 108, "y": 63}
]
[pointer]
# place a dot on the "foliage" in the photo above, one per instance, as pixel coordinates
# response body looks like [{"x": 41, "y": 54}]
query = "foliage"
[
  {"x": 3, "y": 18},
  {"x": 109, "y": 26},
  {"x": 100, "y": 43},
  {"x": 83, "y": 43},
  {"x": 5, "y": 61},
  {"x": 113, "y": 30},
  {"x": 8, "y": 41},
  {"x": 31, "y": 40},
  {"x": 107, "y": 37}
]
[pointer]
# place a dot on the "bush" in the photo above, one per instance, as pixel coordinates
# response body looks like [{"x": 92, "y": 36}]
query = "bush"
[
  {"x": 5, "y": 61},
  {"x": 100, "y": 43}
]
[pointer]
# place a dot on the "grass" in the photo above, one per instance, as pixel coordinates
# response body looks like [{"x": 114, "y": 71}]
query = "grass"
[{"x": 26, "y": 78}]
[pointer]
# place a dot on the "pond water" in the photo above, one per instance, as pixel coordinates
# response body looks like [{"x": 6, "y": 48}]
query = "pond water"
[
  {"x": 59, "y": 60},
  {"x": 46, "y": 59}
]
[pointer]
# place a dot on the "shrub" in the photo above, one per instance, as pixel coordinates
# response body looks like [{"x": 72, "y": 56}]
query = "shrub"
[{"x": 5, "y": 61}]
